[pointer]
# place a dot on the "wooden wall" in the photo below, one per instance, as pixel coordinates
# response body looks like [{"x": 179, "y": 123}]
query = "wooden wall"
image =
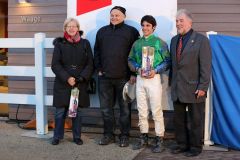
[
  {"x": 24, "y": 20},
  {"x": 51, "y": 12},
  {"x": 222, "y": 16}
]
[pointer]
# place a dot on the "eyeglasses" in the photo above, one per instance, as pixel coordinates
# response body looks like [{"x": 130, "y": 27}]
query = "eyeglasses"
[{"x": 71, "y": 27}]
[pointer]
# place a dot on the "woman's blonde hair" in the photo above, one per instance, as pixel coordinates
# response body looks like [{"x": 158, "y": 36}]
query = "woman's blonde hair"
[{"x": 68, "y": 20}]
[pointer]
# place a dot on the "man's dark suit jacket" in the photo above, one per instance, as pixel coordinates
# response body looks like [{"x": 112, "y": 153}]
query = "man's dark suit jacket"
[{"x": 193, "y": 71}]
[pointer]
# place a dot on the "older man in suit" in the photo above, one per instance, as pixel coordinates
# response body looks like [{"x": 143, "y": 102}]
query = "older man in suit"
[{"x": 189, "y": 79}]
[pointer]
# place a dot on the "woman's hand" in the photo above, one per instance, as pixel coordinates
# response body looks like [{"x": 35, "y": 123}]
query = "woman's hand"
[{"x": 71, "y": 81}]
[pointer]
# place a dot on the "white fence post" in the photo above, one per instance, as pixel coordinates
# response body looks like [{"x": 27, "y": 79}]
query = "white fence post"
[
  {"x": 208, "y": 111},
  {"x": 208, "y": 144},
  {"x": 40, "y": 84}
]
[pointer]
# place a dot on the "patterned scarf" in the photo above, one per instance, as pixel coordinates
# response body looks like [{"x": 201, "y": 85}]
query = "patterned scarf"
[{"x": 74, "y": 39}]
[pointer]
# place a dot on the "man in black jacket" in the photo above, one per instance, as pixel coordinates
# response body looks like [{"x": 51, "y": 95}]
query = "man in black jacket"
[{"x": 112, "y": 46}]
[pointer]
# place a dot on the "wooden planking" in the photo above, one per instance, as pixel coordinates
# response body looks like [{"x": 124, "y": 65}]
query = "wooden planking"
[
  {"x": 22, "y": 84},
  {"x": 14, "y": 34},
  {"x": 220, "y": 27},
  {"x": 27, "y": 84},
  {"x": 31, "y": 10},
  {"x": 21, "y": 91},
  {"x": 196, "y": 2},
  {"x": 13, "y": 3},
  {"x": 42, "y": 27},
  {"x": 22, "y": 51},
  {"x": 218, "y": 18},
  {"x": 16, "y": 78},
  {"x": 26, "y": 59},
  {"x": 221, "y": 16},
  {"x": 27, "y": 91},
  {"x": 51, "y": 12},
  {"x": 21, "y": 59},
  {"x": 211, "y": 8}
]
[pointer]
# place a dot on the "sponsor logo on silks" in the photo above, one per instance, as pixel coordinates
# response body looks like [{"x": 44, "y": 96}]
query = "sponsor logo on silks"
[{"x": 84, "y": 6}]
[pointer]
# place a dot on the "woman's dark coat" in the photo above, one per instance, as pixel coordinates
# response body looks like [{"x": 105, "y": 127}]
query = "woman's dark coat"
[{"x": 71, "y": 60}]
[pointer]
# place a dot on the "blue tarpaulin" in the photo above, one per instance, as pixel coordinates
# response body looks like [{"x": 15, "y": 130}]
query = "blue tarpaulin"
[{"x": 226, "y": 90}]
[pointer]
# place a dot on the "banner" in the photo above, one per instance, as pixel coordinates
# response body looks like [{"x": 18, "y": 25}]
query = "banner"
[
  {"x": 93, "y": 15},
  {"x": 226, "y": 90}
]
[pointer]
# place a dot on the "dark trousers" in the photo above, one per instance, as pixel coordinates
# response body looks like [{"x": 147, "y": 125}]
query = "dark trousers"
[
  {"x": 60, "y": 116},
  {"x": 109, "y": 91},
  {"x": 189, "y": 124}
]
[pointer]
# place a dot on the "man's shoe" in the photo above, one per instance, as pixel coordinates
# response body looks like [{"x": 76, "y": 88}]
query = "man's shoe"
[
  {"x": 192, "y": 153},
  {"x": 178, "y": 150},
  {"x": 124, "y": 141},
  {"x": 143, "y": 142},
  {"x": 78, "y": 141},
  {"x": 106, "y": 140},
  {"x": 158, "y": 146},
  {"x": 55, "y": 141}
]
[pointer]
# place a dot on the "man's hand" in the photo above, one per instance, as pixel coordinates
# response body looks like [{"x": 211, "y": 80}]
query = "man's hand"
[
  {"x": 151, "y": 74},
  {"x": 132, "y": 80},
  {"x": 71, "y": 81},
  {"x": 100, "y": 73},
  {"x": 200, "y": 93}
]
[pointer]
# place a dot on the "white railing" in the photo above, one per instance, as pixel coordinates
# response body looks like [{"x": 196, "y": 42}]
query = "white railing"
[{"x": 39, "y": 71}]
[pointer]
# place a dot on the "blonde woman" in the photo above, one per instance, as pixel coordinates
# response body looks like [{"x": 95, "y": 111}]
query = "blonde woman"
[{"x": 72, "y": 63}]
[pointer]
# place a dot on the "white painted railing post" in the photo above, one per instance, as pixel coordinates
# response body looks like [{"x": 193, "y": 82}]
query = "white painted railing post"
[
  {"x": 40, "y": 84},
  {"x": 208, "y": 111},
  {"x": 208, "y": 144}
]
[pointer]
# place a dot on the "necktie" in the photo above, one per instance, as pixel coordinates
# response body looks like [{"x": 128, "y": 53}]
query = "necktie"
[{"x": 179, "y": 49}]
